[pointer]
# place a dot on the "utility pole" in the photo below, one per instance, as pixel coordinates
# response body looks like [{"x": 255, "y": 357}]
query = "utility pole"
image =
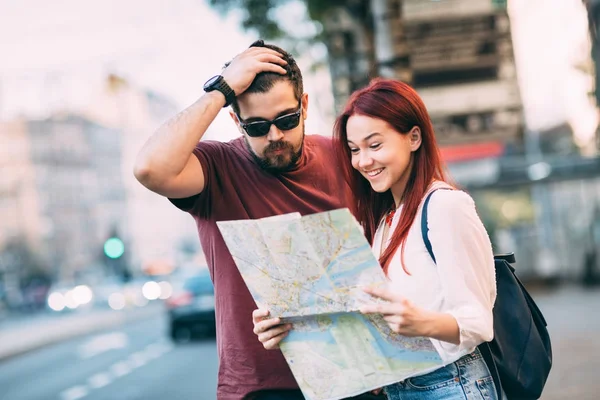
[{"x": 391, "y": 50}]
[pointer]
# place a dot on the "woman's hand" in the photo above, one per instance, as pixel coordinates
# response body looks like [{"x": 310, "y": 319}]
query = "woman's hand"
[
  {"x": 401, "y": 315},
  {"x": 270, "y": 331}
]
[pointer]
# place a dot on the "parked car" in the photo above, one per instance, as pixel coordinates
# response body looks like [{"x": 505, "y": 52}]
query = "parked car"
[{"x": 191, "y": 308}]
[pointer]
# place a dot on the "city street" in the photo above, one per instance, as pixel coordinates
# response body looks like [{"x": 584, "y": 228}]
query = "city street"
[
  {"x": 108, "y": 122},
  {"x": 136, "y": 361},
  {"x": 574, "y": 323}
]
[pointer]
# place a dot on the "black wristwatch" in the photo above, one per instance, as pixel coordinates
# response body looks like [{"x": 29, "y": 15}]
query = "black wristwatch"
[{"x": 218, "y": 83}]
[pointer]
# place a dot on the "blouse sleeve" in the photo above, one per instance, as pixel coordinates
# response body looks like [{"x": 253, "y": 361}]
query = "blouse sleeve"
[{"x": 465, "y": 264}]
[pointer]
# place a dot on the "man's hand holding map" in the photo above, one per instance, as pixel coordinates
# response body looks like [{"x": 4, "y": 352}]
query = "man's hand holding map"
[{"x": 310, "y": 271}]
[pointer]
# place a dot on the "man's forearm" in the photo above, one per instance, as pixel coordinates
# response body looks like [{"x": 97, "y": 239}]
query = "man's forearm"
[{"x": 168, "y": 150}]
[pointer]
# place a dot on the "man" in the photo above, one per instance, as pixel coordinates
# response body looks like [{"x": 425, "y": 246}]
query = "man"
[{"x": 272, "y": 169}]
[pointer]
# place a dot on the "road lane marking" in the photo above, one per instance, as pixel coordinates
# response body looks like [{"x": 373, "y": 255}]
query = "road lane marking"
[
  {"x": 156, "y": 350},
  {"x": 99, "y": 380},
  {"x": 118, "y": 369},
  {"x": 102, "y": 343},
  {"x": 138, "y": 359},
  {"x": 74, "y": 393},
  {"x": 121, "y": 368}
]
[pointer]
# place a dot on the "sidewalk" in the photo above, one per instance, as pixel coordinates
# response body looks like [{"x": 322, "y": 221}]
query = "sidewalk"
[
  {"x": 572, "y": 315},
  {"x": 27, "y": 334}
]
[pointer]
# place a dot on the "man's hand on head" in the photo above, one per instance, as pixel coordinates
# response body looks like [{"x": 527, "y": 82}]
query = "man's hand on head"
[{"x": 242, "y": 70}]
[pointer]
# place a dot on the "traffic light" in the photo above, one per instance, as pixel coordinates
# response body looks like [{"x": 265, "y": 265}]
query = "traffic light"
[
  {"x": 115, "y": 257},
  {"x": 114, "y": 248}
]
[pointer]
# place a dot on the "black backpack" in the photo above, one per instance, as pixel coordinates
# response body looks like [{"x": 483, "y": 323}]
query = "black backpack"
[{"x": 520, "y": 355}]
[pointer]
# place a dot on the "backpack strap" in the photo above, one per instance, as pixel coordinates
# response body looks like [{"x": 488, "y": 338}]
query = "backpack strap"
[
  {"x": 424, "y": 227},
  {"x": 484, "y": 348},
  {"x": 486, "y": 353}
]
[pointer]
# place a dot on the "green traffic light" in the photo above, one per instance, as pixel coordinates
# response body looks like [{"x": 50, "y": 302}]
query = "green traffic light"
[{"x": 114, "y": 247}]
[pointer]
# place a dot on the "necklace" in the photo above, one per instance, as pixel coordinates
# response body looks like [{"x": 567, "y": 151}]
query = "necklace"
[{"x": 390, "y": 217}]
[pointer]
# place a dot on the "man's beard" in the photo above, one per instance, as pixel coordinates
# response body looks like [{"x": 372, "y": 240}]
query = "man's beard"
[{"x": 277, "y": 163}]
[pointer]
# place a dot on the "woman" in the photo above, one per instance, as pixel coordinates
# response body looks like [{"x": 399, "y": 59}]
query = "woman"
[{"x": 389, "y": 156}]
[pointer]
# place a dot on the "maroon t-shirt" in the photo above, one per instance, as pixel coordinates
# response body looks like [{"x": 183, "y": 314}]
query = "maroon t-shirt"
[{"x": 237, "y": 188}]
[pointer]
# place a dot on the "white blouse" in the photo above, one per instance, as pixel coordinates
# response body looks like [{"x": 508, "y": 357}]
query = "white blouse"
[{"x": 462, "y": 283}]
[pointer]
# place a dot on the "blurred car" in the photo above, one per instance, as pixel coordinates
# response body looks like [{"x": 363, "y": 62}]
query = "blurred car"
[{"x": 191, "y": 308}]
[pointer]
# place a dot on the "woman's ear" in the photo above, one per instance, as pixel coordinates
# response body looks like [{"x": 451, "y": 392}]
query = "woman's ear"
[{"x": 415, "y": 138}]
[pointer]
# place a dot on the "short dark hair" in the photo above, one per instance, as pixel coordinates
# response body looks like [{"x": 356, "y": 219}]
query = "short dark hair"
[{"x": 265, "y": 81}]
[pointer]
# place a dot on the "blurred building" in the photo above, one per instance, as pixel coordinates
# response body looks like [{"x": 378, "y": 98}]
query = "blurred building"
[
  {"x": 538, "y": 195},
  {"x": 537, "y": 191},
  {"x": 67, "y": 185},
  {"x": 458, "y": 54},
  {"x": 61, "y": 190},
  {"x": 158, "y": 234},
  {"x": 462, "y": 63}
]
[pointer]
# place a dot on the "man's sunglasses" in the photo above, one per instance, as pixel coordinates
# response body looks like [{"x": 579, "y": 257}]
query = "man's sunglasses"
[{"x": 261, "y": 128}]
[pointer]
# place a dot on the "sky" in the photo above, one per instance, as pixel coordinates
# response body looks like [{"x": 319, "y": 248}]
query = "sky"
[
  {"x": 55, "y": 54},
  {"x": 550, "y": 37}
]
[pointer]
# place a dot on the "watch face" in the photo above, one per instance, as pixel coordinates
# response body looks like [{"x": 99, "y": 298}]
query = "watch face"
[{"x": 211, "y": 82}]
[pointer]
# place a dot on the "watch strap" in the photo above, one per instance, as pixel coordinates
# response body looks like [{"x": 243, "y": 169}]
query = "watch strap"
[{"x": 218, "y": 83}]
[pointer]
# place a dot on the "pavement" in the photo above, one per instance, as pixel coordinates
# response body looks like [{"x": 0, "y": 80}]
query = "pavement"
[
  {"x": 19, "y": 335},
  {"x": 133, "y": 361},
  {"x": 570, "y": 310},
  {"x": 573, "y": 318}
]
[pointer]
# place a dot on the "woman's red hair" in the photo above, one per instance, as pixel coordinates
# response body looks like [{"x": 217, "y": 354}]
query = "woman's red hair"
[{"x": 400, "y": 106}]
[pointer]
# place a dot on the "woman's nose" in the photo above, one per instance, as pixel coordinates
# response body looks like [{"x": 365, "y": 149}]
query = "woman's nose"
[{"x": 364, "y": 160}]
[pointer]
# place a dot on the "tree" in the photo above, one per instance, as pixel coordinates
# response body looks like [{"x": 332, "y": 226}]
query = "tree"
[
  {"x": 344, "y": 27},
  {"x": 391, "y": 49},
  {"x": 363, "y": 38},
  {"x": 258, "y": 15}
]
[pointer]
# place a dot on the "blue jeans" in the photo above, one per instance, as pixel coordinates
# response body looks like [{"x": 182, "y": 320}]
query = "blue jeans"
[
  {"x": 297, "y": 395},
  {"x": 468, "y": 378}
]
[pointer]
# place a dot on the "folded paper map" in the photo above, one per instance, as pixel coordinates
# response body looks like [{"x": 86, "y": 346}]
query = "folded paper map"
[{"x": 310, "y": 271}]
